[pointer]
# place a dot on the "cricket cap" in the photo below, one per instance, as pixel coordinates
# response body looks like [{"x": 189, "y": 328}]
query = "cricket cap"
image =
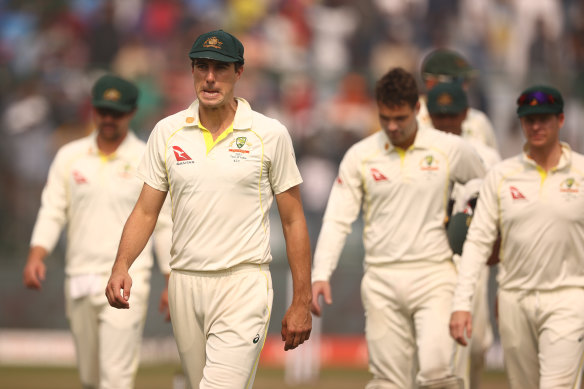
[
  {"x": 218, "y": 45},
  {"x": 539, "y": 99},
  {"x": 446, "y": 63},
  {"x": 114, "y": 93},
  {"x": 448, "y": 98}
]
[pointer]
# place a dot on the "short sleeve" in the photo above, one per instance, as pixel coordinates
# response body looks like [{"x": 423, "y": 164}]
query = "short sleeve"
[
  {"x": 283, "y": 172},
  {"x": 152, "y": 167}
]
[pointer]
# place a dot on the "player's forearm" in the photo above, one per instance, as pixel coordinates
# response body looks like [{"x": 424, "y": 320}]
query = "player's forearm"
[
  {"x": 329, "y": 246},
  {"x": 137, "y": 231},
  {"x": 298, "y": 252}
]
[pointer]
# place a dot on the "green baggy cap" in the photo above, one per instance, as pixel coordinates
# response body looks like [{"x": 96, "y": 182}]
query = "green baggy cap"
[
  {"x": 218, "y": 45},
  {"x": 114, "y": 93},
  {"x": 539, "y": 99},
  {"x": 447, "y": 98}
]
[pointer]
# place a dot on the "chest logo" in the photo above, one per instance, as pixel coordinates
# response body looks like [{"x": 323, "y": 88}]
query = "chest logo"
[
  {"x": 569, "y": 185},
  {"x": 429, "y": 163},
  {"x": 377, "y": 175},
  {"x": 79, "y": 178},
  {"x": 180, "y": 155},
  {"x": 516, "y": 194}
]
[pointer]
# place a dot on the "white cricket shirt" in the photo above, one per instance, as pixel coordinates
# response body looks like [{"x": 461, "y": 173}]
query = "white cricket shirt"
[
  {"x": 541, "y": 219},
  {"x": 403, "y": 195},
  {"x": 221, "y": 190},
  {"x": 93, "y": 194}
]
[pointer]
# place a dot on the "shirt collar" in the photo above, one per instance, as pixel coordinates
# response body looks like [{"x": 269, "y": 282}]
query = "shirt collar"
[
  {"x": 420, "y": 141},
  {"x": 242, "y": 120},
  {"x": 121, "y": 150},
  {"x": 565, "y": 158}
]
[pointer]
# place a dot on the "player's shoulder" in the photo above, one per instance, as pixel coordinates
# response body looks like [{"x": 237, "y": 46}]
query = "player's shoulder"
[
  {"x": 433, "y": 138},
  {"x": 174, "y": 122},
  {"x": 76, "y": 146}
]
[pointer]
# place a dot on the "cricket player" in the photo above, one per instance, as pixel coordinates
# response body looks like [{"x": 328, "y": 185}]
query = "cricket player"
[
  {"x": 445, "y": 65},
  {"x": 535, "y": 200},
  {"x": 400, "y": 177},
  {"x": 448, "y": 107},
  {"x": 222, "y": 164},
  {"x": 92, "y": 189}
]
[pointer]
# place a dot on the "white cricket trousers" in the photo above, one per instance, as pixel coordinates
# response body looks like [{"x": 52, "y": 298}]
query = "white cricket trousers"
[
  {"x": 220, "y": 321},
  {"x": 107, "y": 340},
  {"x": 407, "y": 308},
  {"x": 542, "y": 335}
]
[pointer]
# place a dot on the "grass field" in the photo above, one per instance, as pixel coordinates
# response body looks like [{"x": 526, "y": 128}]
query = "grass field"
[{"x": 161, "y": 377}]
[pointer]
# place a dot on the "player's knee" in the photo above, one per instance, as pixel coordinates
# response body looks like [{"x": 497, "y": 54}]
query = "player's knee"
[{"x": 379, "y": 383}]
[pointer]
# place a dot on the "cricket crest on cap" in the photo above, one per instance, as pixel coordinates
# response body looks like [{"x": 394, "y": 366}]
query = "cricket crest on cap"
[
  {"x": 112, "y": 94},
  {"x": 213, "y": 42},
  {"x": 445, "y": 99}
]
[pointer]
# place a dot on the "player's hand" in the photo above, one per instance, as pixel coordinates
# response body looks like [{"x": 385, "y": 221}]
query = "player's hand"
[
  {"x": 320, "y": 288},
  {"x": 296, "y": 325},
  {"x": 34, "y": 273},
  {"x": 461, "y": 325},
  {"x": 163, "y": 304},
  {"x": 118, "y": 288}
]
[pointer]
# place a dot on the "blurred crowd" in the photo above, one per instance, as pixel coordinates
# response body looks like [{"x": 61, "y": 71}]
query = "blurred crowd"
[{"x": 312, "y": 64}]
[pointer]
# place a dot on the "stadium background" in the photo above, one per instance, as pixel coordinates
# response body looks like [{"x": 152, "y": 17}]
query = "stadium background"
[{"x": 312, "y": 64}]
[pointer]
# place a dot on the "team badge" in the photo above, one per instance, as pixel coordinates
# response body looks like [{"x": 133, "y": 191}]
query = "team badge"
[
  {"x": 213, "y": 42},
  {"x": 429, "y": 163},
  {"x": 569, "y": 185},
  {"x": 112, "y": 94},
  {"x": 445, "y": 99},
  {"x": 240, "y": 141}
]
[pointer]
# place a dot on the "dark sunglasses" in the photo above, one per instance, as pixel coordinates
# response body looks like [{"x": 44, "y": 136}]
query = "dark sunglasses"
[
  {"x": 535, "y": 98},
  {"x": 110, "y": 112}
]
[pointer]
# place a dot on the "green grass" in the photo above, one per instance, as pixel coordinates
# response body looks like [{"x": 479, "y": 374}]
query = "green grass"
[{"x": 161, "y": 377}]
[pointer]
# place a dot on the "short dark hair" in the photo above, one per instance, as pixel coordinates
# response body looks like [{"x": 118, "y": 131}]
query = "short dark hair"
[
  {"x": 397, "y": 87},
  {"x": 237, "y": 64}
]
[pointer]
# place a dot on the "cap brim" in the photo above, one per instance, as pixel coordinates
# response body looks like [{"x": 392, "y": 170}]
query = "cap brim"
[
  {"x": 537, "y": 110},
  {"x": 212, "y": 55},
  {"x": 113, "y": 106}
]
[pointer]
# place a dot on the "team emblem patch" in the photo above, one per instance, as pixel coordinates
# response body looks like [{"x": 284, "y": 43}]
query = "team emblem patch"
[
  {"x": 112, "y": 94},
  {"x": 213, "y": 42},
  {"x": 240, "y": 141},
  {"x": 569, "y": 185},
  {"x": 429, "y": 163},
  {"x": 445, "y": 99}
]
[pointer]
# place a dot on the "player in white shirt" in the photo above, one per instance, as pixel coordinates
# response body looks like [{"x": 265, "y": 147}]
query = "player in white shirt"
[
  {"x": 400, "y": 177},
  {"x": 92, "y": 189},
  {"x": 536, "y": 202},
  {"x": 448, "y": 106},
  {"x": 222, "y": 165},
  {"x": 445, "y": 65}
]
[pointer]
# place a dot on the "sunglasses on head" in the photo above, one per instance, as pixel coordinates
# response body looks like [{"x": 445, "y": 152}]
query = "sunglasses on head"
[
  {"x": 535, "y": 98},
  {"x": 110, "y": 112}
]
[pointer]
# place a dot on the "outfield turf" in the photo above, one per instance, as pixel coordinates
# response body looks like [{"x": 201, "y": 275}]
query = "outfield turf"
[{"x": 161, "y": 377}]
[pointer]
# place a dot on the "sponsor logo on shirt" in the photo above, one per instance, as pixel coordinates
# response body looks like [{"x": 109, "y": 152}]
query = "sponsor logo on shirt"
[
  {"x": 182, "y": 158},
  {"x": 569, "y": 185},
  {"x": 377, "y": 175},
  {"x": 429, "y": 163},
  {"x": 516, "y": 194},
  {"x": 339, "y": 181},
  {"x": 79, "y": 178}
]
